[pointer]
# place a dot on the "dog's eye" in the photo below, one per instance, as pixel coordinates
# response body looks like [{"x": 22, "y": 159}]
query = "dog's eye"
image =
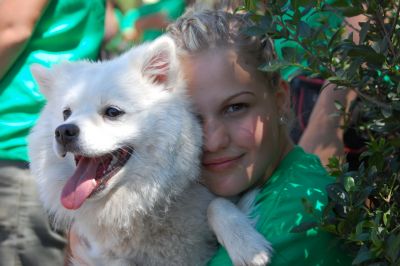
[
  {"x": 66, "y": 113},
  {"x": 113, "y": 112}
]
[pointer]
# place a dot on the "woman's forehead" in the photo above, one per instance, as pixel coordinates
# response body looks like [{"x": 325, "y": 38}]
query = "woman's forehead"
[{"x": 219, "y": 65}]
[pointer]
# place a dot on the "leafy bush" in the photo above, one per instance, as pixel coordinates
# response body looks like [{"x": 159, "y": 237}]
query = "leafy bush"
[{"x": 366, "y": 200}]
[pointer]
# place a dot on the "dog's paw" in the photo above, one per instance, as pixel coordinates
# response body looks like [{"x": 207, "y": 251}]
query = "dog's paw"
[
  {"x": 255, "y": 252},
  {"x": 260, "y": 259},
  {"x": 244, "y": 244}
]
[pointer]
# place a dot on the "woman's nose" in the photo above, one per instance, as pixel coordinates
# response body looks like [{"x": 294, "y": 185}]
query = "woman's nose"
[{"x": 216, "y": 136}]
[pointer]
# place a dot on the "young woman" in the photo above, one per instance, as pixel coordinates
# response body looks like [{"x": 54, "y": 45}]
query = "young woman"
[{"x": 245, "y": 116}]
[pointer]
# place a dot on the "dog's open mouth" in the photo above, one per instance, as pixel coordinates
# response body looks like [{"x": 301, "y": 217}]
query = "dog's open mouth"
[{"x": 91, "y": 176}]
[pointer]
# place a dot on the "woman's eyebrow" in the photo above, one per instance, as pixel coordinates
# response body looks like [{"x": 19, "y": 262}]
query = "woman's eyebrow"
[{"x": 237, "y": 95}]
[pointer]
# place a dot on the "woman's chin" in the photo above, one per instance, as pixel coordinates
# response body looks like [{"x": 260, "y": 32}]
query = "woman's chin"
[{"x": 225, "y": 187}]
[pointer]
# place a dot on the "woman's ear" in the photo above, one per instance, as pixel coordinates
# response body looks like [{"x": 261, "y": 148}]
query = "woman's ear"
[{"x": 282, "y": 97}]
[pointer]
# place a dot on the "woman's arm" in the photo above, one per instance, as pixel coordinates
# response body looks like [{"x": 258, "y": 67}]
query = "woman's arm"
[
  {"x": 323, "y": 135},
  {"x": 17, "y": 22}
]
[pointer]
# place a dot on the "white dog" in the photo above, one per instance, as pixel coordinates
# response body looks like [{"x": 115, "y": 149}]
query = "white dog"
[{"x": 116, "y": 152}]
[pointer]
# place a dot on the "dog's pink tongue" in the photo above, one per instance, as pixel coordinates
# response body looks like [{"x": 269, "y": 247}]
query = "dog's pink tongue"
[{"x": 81, "y": 184}]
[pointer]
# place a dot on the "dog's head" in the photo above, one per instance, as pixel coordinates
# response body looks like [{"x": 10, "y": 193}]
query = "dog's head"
[{"x": 121, "y": 125}]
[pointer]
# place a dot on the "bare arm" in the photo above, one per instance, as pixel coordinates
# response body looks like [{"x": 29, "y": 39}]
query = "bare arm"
[
  {"x": 154, "y": 21},
  {"x": 111, "y": 22},
  {"x": 17, "y": 22},
  {"x": 323, "y": 135}
]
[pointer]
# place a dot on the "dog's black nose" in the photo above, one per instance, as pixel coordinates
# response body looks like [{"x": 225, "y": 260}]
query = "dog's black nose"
[{"x": 66, "y": 133}]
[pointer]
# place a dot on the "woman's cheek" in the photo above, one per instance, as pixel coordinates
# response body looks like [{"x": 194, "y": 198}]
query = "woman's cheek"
[{"x": 251, "y": 132}]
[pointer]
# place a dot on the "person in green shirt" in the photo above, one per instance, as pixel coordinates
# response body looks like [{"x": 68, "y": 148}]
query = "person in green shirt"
[
  {"x": 142, "y": 22},
  {"x": 44, "y": 32},
  {"x": 245, "y": 116},
  {"x": 149, "y": 21}
]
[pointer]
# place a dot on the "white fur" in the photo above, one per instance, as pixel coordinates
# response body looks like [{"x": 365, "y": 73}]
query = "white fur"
[
  {"x": 152, "y": 212},
  {"x": 244, "y": 245}
]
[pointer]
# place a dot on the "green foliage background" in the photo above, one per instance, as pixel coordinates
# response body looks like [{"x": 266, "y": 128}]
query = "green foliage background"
[{"x": 364, "y": 209}]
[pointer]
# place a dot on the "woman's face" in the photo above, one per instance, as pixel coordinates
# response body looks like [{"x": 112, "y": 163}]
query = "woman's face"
[{"x": 243, "y": 141}]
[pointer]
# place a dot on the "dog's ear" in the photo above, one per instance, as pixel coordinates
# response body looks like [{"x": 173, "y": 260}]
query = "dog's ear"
[
  {"x": 160, "y": 63},
  {"x": 43, "y": 77}
]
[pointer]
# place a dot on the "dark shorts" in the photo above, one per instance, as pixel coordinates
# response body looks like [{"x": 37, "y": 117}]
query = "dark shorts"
[{"x": 26, "y": 237}]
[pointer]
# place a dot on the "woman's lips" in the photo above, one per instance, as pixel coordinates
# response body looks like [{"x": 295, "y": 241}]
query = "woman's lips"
[{"x": 220, "y": 164}]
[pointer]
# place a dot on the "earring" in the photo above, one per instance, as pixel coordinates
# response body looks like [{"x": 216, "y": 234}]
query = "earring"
[{"x": 283, "y": 120}]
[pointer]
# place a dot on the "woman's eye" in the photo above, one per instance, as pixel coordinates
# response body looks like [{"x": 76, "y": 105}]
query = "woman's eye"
[
  {"x": 113, "y": 112},
  {"x": 66, "y": 113},
  {"x": 235, "y": 108}
]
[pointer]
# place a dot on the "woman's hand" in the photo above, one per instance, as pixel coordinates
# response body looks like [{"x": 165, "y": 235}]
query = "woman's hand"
[{"x": 77, "y": 250}]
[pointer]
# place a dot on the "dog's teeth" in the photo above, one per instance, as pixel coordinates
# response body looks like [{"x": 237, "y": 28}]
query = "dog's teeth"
[
  {"x": 110, "y": 166},
  {"x": 113, "y": 161}
]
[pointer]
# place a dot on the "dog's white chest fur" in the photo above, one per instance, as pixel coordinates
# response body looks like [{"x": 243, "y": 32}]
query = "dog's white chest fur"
[{"x": 177, "y": 236}]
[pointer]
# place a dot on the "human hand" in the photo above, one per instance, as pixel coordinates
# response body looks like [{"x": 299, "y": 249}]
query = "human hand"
[
  {"x": 154, "y": 21},
  {"x": 77, "y": 250}
]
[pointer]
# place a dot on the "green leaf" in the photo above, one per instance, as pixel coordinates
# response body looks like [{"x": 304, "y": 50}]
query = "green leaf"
[
  {"x": 350, "y": 11},
  {"x": 385, "y": 217},
  {"x": 330, "y": 228},
  {"x": 349, "y": 183},
  {"x": 393, "y": 247},
  {"x": 273, "y": 66},
  {"x": 290, "y": 54},
  {"x": 363, "y": 31},
  {"x": 249, "y": 4},
  {"x": 386, "y": 112},
  {"x": 383, "y": 45},
  {"x": 366, "y": 52},
  {"x": 336, "y": 37},
  {"x": 363, "y": 255},
  {"x": 328, "y": 209},
  {"x": 362, "y": 237},
  {"x": 339, "y": 106},
  {"x": 295, "y": 73},
  {"x": 254, "y": 31},
  {"x": 352, "y": 50},
  {"x": 362, "y": 196},
  {"x": 377, "y": 242},
  {"x": 266, "y": 22},
  {"x": 304, "y": 30},
  {"x": 395, "y": 142},
  {"x": 339, "y": 81},
  {"x": 359, "y": 228},
  {"x": 351, "y": 72},
  {"x": 339, "y": 3},
  {"x": 337, "y": 194}
]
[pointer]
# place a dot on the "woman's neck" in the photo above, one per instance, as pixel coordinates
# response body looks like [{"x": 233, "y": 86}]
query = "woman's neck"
[{"x": 285, "y": 146}]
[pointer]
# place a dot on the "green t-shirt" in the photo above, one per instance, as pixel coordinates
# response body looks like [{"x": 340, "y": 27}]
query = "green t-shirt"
[
  {"x": 68, "y": 30},
  {"x": 172, "y": 8},
  {"x": 279, "y": 208}
]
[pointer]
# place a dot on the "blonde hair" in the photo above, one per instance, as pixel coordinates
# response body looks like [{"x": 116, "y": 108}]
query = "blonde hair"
[{"x": 199, "y": 30}]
